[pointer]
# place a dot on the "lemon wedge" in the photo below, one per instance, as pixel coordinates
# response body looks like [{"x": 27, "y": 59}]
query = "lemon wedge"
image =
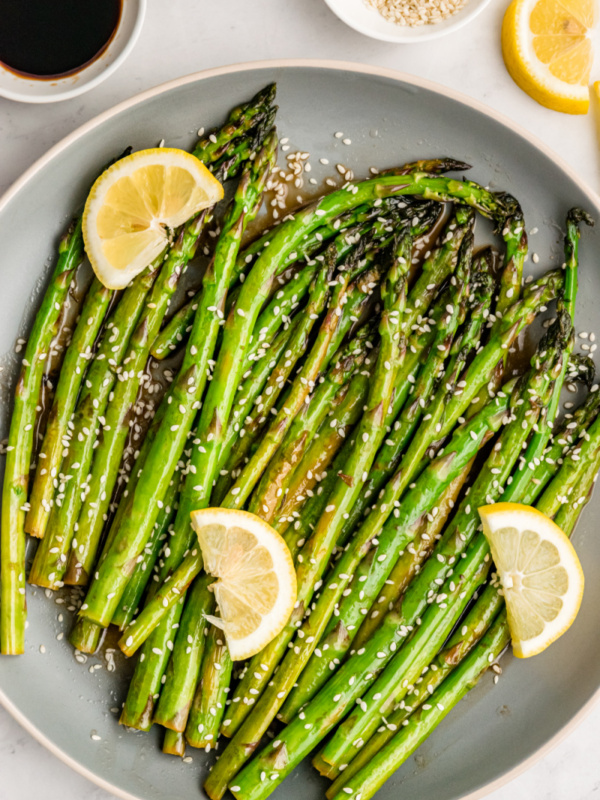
[
  {"x": 136, "y": 204},
  {"x": 256, "y": 590},
  {"x": 540, "y": 573},
  {"x": 547, "y": 51}
]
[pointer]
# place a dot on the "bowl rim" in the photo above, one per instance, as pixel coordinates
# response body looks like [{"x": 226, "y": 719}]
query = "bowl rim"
[
  {"x": 334, "y": 65},
  {"x": 83, "y": 86},
  {"x": 426, "y": 33}
]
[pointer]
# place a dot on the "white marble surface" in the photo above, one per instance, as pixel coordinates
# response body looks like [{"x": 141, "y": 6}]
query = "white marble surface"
[{"x": 183, "y": 36}]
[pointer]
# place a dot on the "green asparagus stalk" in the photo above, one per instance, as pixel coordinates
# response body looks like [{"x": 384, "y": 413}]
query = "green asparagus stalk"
[
  {"x": 183, "y": 535},
  {"x": 103, "y": 471},
  {"x": 131, "y": 538},
  {"x": 140, "y": 576},
  {"x": 354, "y": 222},
  {"x": 73, "y": 369},
  {"x": 241, "y": 119},
  {"x": 174, "y": 743},
  {"x": 440, "y": 262},
  {"x": 51, "y": 556},
  {"x": 515, "y": 240},
  {"x": 20, "y": 444},
  {"x": 573, "y": 426},
  {"x": 208, "y": 706},
  {"x": 175, "y": 331},
  {"x": 184, "y": 665},
  {"x": 395, "y": 627},
  {"x": 144, "y": 688},
  {"x": 561, "y": 487},
  {"x": 355, "y": 604},
  {"x": 357, "y": 297},
  {"x": 322, "y": 451},
  {"x": 428, "y": 379},
  {"x": 435, "y": 270},
  {"x": 566, "y": 307}
]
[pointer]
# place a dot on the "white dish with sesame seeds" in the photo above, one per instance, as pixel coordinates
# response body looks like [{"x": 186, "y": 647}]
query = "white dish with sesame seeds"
[
  {"x": 425, "y": 19},
  {"x": 348, "y": 118}
]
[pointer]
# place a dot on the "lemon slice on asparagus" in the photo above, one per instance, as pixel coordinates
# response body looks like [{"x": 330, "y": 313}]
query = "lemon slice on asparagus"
[
  {"x": 136, "y": 204},
  {"x": 256, "y": 590},
  {"x": 540, "y": 572},
  {"x": 548, "y": 52}
]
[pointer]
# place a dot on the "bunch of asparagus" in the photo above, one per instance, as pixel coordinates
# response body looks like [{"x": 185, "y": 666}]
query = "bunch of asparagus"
[{"x": 359, "y": 399}]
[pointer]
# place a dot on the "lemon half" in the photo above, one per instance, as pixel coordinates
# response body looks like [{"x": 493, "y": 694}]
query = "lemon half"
[
  {"x": 541, "y": 576},
  {"x": 256, "y": 590},
  {"x": 136, "y": 204},
  {"x": 547, "y": 50}
]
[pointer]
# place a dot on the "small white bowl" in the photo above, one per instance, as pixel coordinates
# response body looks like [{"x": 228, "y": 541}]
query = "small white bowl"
[
  {"x": 369, "y": 21},
  {"x": 34, "y": 90}
]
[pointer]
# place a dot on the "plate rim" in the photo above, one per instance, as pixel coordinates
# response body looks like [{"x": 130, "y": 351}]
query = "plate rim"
[{"x": 334, "y": 65}]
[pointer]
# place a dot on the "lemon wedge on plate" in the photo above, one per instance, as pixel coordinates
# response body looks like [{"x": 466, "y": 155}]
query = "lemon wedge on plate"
[
  {"x": 547, "y": 50},
  {"x": 256, "y": 590},
  {"x": 136, "y": 204},
  {"x": 540, "y": 573}
]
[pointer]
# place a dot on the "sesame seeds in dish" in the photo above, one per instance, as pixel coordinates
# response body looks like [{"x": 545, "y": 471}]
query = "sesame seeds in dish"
[{"x": 416, "y": 12}]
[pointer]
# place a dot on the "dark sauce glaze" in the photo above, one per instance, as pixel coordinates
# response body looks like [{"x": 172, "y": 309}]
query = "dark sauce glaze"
[{"x": 46, "y": 40}]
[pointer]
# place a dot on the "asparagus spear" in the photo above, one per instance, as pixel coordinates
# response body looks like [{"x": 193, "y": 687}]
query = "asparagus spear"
[
  {"x": 103, "y": 470},
  {"x": 240, "y": 120},
  {"x": 358, "y": 295},
  {"x": 144, "y": 687},
  {"x": 356, "y": 604},
  {"x": 174, "y": 743},
  {"x": 356, "y": 221},
  {"x": 50, "y": 558},
  {"x": 515, "y": 239},
  {"x": 395, "y": 627},
  {"x": 208, "y": 706},
  {"x": 579, "y": 458},
  {"x": 174, "y": 332},
  {"x": 183, "y": 536},
  {"x": 145, "y": 566},
  {"x": 74, "y": 366},
  {"x": 573, "y": 426},
  {"x": 428, "y": 379},
  {"x": 435, "y": 269},
  {"x": 566, "y": 307},
  {"x": 184, "y": 665},
  {"x": 131, "y": 538},
  {"x": 20, "y": 444}
]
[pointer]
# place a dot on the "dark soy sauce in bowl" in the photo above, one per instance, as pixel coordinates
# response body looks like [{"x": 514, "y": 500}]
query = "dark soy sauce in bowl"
[{"x": 48, "y": 39}]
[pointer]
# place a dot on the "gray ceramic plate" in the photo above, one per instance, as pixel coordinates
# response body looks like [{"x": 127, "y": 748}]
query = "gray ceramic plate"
[{"x": 390, "y": 118}]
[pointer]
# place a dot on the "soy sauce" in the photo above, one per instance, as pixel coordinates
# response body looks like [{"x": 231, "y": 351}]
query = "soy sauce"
[{"x": 52, "y": 38}]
